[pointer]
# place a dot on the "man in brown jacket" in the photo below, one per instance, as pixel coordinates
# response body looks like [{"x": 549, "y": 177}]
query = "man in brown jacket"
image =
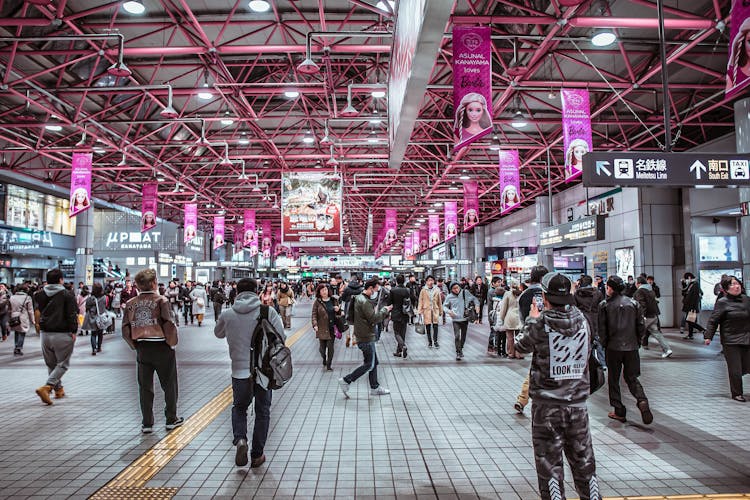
[{"x": 148, "y": 326}]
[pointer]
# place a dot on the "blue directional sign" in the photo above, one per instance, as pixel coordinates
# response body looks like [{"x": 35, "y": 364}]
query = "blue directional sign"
[{"x": 665, "y": 169}]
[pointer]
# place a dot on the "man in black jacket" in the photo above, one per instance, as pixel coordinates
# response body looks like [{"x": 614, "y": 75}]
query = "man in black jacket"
[
  {"x": 621, "y": 330},
  {"x": 646, "y": 298},
  {"x": 399, "y": 294},
  {"x": 587, "y": 299},
  {"x": 58, "y": 324},
  {"x": 414, "y": 289}
]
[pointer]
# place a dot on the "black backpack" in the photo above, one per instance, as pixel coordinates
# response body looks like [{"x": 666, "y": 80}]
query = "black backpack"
[
  {"x": 271, "y": 355},
  {"x": 350, "y": 309},
  {"x": 406, "y": 307}
]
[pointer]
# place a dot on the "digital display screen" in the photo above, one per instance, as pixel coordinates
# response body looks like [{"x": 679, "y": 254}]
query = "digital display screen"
[{"x": 718, "y": 249}]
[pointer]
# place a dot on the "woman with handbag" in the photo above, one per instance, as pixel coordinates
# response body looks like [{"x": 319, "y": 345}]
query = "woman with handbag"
[
  {"x": 462, "y": 307},
  {"x": 96, "y": 307},
  {"x": 21, "y": 316},
  {"x": 285, "y": 300},
  {"x": 325, "y": 312},
  {"x": 200, "y": 298},
  {"x": 691, "y": 304},
  {"x": 732, "y": 315},
  {"x": 509, "y": 316},
  {"x": 81, "y": 299},
  {"x": 430, "y": 307}
]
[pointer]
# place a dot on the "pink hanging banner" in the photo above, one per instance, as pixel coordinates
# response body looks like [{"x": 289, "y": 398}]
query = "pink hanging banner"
[
  {"x": 191, "y": 222},
  {"x": 434, "y": 230},
  {"x": 238, "y": 233},
  {"x": 472, "y": 84},
  {"x": 738, "y": 66},
  {"x": 391, "y": 227},
  {"x": 250, "y": 236},
  {"x": 451, "y": 220},
  {"x": 266, "y": 239},
  {"x": 415, "y": 240},
  {"x": 279, "y": 247},
  {"x": 408, "y": 252},
  {"x": 80, "y": 183},
  {"x": 576, "y": 119},
  {"x": 149, "y": 202},
  {"x": 471, "y": 204},
  {"x": 510, "y": 183},
  {"x": 218, "y": 231}
]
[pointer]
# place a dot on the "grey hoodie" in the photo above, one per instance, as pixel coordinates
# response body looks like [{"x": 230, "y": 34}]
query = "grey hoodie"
[{"x": 237, "y": 325}]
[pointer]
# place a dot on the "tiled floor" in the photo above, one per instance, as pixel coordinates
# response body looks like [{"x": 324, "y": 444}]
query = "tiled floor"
[{"x": 448, "y": 430}]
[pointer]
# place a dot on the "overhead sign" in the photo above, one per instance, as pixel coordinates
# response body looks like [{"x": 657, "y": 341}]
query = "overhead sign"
[
  {"x": 573, "y": 233},
  {"x": 665, "y": 169},
  {"x": 311, "y": 205}
]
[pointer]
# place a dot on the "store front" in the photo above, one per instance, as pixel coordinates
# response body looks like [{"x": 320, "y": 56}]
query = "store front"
[{"x": 27, "y": 255}]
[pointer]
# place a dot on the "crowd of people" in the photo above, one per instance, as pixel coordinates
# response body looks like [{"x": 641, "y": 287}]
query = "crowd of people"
[{"x": 558, "y": 321}]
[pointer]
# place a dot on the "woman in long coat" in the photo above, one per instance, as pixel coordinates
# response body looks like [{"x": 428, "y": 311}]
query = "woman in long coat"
[
  {"x": 430, "y": 306},
  {"x": 324, "y": 312},
  {"x": 200, "y": 299}
]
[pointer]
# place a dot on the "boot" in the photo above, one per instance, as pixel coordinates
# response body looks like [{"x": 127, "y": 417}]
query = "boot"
[
  {"x": 44, "y": 394},
  {"x": 59, "y": 393}
]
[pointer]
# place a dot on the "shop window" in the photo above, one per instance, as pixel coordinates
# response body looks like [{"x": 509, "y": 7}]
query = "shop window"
[{"x": 29, "y": 209}]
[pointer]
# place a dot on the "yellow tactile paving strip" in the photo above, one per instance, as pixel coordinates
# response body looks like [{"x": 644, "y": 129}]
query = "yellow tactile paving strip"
[{"x": 131, "y": 482}]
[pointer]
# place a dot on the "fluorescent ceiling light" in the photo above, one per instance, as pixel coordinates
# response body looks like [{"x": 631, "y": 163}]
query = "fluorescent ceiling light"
[
  {"x": 603, "y": 38},
  {"x": 373, "y": 141},
  {"x": 227, "y": 119},
  {"x": 308, "y": 140},
  {"x": 464, "y": 177},
  {"x": 259, "y": 6},
  {"x": 375, "y": 121},
  {"x": 53, "y": 128},
  {"x": 431, "y": 210},
  {"x": 134, "y": 7},
  {"x": 291, "y": 94},
  {"x": 495, "y": 147},
  {"x": 205, "y": 93},
  {"x": 378, "y": 94},
  {"x": 519, "y": 121},
  {"x": 244, "y": 140},
  {"x": 438, "y": 204}
]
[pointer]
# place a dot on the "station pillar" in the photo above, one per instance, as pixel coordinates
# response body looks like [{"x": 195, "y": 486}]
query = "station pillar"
[
  {"x": 84, "y": 244},
  {"x": 742, "y": 134},
  {"x": 479, "y": 251},
  {"x": 543, "y": 221}
]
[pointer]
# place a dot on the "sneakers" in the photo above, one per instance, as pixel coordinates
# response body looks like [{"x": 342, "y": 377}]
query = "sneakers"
[
  {"x": 380, "y": 391},
  {"x": 146, "y": 429},
  {"x": 177, "y": 423},
  {"x": 240, "y": 457},
  {"x": 344, "y": 387},
  {"x": 667, "y": 354},
  {"x": 430, "y": 346},
  {"x": 646, "y": 414},
  {"x": 437, "y": 346},
  {"x": 615, "y": 416},
  {"x": 403, "y": 353},
  {"x": 59, "y": 393},
  {"x": 459, "y": 355},
  {"x": 397, "y": 354},
  {"x": 739, "y": 398},
  {"x": 44, "y": 394},
  {"x": 518, "y": 407},
  {"x": 257, "y": 462}
]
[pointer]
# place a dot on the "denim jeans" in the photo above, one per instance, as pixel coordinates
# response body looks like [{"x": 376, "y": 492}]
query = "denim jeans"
[
  {"x": 370, "y": 365},
  {"x": 459, "y": 333},
  {"x": 20, "y": 337},
  {"x": 244, "y": 390},
  {"x": 96, "y": 340}
]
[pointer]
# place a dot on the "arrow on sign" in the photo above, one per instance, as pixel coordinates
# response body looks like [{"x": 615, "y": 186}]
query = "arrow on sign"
[
  {"x": 696, "y": 167},
  {"x": 601, "y": 166}
]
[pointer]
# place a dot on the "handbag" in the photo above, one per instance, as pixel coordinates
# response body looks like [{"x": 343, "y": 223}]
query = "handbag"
[
  {"x": 337, "y": 332},
  {"x": 15, "y": 321},
  {"x": 470, "y": 312},
  {"x": 419, "y": 325},
  {"x": 597, "y": 367},
  {"x": 692, "y": 317},
  {"x": 200, "y": 302},
  {"x": 102, "y": 321},
  {"x": 341, "y": 323}
]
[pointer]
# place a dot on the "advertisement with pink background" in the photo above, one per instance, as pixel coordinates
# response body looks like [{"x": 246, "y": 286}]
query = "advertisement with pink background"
[
  {"x": 471, "y": 204},
  {"x": 576, "y": 120},
  {"x": 249, "y": 235},
  {"x": 472, "y": 84},
  {"x": 218, "y": 231},
  {"x": 510, "y": 182},
  {"x": 451, "y": 220},
  {"x": 738, "y": 64},
  {"x": 191, "y": 222},
  {"x": 80, "y": 183},
  {"x": 434, "y": 230},
  {"x": 149, "y": 203}
]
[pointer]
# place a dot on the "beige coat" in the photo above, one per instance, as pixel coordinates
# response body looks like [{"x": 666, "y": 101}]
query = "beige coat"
[{"x": 430, "y": 305}]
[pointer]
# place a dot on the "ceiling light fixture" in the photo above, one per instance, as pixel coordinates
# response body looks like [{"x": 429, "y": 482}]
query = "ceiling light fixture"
[
  {"x": 243, "y": 140},
  {"x": 603, "y": 38},
  {"x": 291, "y": 94},
  {"x": 226, "y": 161},
  {"x": 349, "y": 111},
  {"x": 169, "y": 112},
  {"x": 122, "y": 161},
  {"x": 202, "y": 139},
  {"x": 375, "y": 121},
  {"x": 26, "y": 116},
  {"x": 53, "y": 127},
  {"x": 133, "y": 7},
  {"x": 259, "y": 5},
  {"x": 308, "y": 67},
  {"x": 227, "y": 119},
  {"x": 519, "y": 121},
  {"x": 378, "y": 94},
  {"x": 243, "y": 176},
  {"x": 205, "y": 93},
  {"x": 516, "y": 67},
  {"x": 326, "y": 141},
  {"x": 464, "y": 177},
  {"x": 308, "y": 139},
  {"x": 332, "y": 162}
]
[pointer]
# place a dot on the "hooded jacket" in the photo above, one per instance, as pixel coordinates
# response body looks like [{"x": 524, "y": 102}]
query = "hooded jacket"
[
  {"x": 732, "y": 313},
  {"x": 353, "y": 289},
  {"x": 62, "y": 315},
  {"x": 646, "y": 297},
  {"x": 588, "y": 299},
  {"x": 457, "y": 304},
  {"x": 621, "y": 325},
  {"x": 560, "y": 341},
  {"x": 366, "y": 317},
  {"x": 237, "y": 325}
]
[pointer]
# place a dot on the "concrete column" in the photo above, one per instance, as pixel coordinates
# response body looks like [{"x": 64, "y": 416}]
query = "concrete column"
[
  {"x": 479, "y": 250},
  {"x": 742, "y": 133},
  {"x": 84, "y": 243},
  {"x": 544, "y": 257},
  {"x": 465, "y": 247}
]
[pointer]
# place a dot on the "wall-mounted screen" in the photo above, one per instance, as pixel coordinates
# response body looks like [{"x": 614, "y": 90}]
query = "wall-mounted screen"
[
  {"x": 718, "y": 249},
  {"x": 625, "y": 260}
]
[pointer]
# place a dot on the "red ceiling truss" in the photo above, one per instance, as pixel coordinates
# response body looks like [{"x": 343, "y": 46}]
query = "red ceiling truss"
[{"x": 250, "y": 60}]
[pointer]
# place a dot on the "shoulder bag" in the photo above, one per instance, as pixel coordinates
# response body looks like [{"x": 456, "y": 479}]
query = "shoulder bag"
[
  {"x": 15, "y": 321},
  {"x": 419, "y": 326},
  {"x": 470, "y": 312},
  {"x": 102, "y": 321}
]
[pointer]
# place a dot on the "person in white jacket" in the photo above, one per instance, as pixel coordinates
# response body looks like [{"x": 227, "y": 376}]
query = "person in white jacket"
[
  {"x": 21, "y": 307},
  {"x": 200, "y": 299},
  {"x": 509, "y": 317}
]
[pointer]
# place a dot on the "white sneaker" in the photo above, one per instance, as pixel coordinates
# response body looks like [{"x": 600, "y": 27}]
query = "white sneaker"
[
  {"x": 380, "y": 391},
  {"x": 667, "y": 354},
  {"x": 344, "y": 387}
]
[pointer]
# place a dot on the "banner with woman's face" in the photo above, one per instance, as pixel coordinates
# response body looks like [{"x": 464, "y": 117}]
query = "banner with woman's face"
[
  {"x": 472, "y": 84},
  {"x": 510, "y": 185},
  {"x": 471, "y": 204},
  {"x": 738, "y": 65},
  {"x": 408, "y": 251},
  {"x": 250, "y": 235},
  {"x": 149, "y": 203},
  {"x": 191, "y": 222},
  {"x": 238, "y": 234},
  {"x": 434, "y": 230},
  {"x": 451, "y": 220},
  {"x": 218, "y": 231},
  {"x": 576, "y": 121},
  {"x": 80, "y": 183}
]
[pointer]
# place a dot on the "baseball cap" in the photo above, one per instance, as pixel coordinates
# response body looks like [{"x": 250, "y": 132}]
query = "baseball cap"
[{"x": 556, "y": 287}]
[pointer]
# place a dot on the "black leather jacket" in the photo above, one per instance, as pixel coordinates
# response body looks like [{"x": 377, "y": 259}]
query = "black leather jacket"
[
  {"x": 621, "y": 325},
  {"x": 587, "y": 300},
  {"x": 732, "y": 313}
]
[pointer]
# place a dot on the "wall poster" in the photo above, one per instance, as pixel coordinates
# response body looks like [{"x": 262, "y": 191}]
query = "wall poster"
[{"x": 311, "y": 205}]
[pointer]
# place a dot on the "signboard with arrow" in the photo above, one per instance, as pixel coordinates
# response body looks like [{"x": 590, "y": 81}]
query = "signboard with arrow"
[{"x": 665, "y": 169}]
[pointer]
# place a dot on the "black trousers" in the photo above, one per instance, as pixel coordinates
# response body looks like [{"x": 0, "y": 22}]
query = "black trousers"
[
  {"x": 399, "y": 330},
  {"x": 432, "y": 334},
  {"x": 160, "y": 358},
  {"x": 459, "y": 334},
  {"x": 627, "y": 363},
  {"x": 738, "y": 364},
  {"x": 326, "y": 351},
  {"x": 217, "y": 310}
]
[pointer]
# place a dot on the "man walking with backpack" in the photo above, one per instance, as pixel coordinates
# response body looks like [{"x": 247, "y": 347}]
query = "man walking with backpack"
[
  {"x": 58, "y": 324},
  {"x": 238, "y": 324},
  {"x": 365, "y": 319}
]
